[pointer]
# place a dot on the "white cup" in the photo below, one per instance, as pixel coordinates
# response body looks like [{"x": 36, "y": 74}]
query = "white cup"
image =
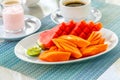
[{"x": 76, "y": 13}]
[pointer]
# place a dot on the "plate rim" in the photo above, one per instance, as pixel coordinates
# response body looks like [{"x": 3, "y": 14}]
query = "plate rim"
[
  {"x": 70, "y": 61},
  {"x": 61, "y": 15},
  {"x": 17, "y": 38}
]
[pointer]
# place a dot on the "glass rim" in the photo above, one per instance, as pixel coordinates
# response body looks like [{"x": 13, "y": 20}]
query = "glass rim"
[{"x": 10, "y": 3}]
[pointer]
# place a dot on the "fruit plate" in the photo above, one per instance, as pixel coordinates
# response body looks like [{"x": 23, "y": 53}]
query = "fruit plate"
[{"x": 30, "y": 41}]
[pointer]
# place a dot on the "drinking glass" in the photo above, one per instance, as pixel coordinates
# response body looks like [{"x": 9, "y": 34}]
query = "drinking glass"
[{"x": 13, "y": 17}]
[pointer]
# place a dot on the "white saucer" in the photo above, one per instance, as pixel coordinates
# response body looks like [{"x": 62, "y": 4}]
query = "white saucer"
[
  {"x": 32, "y": 24},
  {"x": 95, "y": 15}
]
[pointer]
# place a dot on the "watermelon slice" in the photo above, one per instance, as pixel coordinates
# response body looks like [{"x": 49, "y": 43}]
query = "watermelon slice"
[
  {"x": 78, "y": 28},
  {"x": 98, "y": 26},
  {"x": 46, "y": 36},
  {"x": 59, "y": 28},
  {"x": 69, "y": 27}
]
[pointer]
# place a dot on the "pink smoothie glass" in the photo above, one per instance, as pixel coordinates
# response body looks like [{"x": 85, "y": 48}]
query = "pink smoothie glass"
[{"x": 13, "y": 18}]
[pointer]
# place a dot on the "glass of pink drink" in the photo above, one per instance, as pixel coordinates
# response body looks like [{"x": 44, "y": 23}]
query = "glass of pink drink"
[{"x": 13, "y": 18}]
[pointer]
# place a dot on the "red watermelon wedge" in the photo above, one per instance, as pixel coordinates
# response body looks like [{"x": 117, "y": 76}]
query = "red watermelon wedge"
[{"x": 46, "y": 36}]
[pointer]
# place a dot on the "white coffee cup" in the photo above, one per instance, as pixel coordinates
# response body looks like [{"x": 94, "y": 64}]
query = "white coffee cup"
[{"x": 78, "y": 12}]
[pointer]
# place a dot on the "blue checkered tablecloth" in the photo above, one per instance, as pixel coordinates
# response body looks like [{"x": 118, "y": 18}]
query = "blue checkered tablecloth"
[{"x": 87, "y": 70}]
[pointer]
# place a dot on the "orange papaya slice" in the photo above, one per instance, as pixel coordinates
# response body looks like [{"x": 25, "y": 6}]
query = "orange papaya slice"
[
  {"x": 94, "y": 36},
  {"x": 66, "y": 41},
  {"x": 54, "y": 56},
  {"x": 53, "y": 48},
  {"x": 95, "y": 42},
  {"x": 97, "y": 36},
  {"x": 57, "y": 44},
  {"x": 75, "y": 52},
  {"x": 102, "y": 41},
  {"x": 92, "y": 50},
  {"x": 76, "y": 40}
]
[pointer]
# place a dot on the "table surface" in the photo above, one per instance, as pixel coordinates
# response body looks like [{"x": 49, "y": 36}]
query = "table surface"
[
  {"x": 112, "y": 73},
  {"x": 87, "y": 70}
]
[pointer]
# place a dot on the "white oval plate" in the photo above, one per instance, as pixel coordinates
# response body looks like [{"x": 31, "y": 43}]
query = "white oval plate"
[
  {"x": 32, "y": 24},
  {"x": 30, "y": 41}
]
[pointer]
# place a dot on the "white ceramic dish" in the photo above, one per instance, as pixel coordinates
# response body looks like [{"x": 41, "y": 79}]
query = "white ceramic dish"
[
  {"x": 32, "y": 24},
  {"x": 95, "y": 15},
  {"x": 30, "y": 41}
]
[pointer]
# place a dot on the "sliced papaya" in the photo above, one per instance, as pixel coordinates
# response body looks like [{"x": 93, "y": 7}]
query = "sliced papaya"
[
  {"x": 88, "y": 51},
  {"x": 92, "y": 50},
  {"x": 57, "y": 44},
  {"x": 102, "y": 40},
  {"x": 97, "y": 36},
  {"x": 53, "y": 48},
  {"x": 75, "y": 52},
  {"x": 94, "y": 36},
  {"x": 95, "y": 42},
  {"x": 65, "y": 41},
  {"x": 54, "y": 56},
  {"x": 76, "y": 40}
]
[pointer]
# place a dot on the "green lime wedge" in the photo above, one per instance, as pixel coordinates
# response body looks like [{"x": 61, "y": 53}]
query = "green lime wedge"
[{"x": 34, "y": 51}]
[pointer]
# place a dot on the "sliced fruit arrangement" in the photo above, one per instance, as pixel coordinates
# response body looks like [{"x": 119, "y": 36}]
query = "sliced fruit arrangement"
[
  {"x": 81, "y": 29},
  {"x": 75, "y": 45},
  {"x": 71, "y": 40}
]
